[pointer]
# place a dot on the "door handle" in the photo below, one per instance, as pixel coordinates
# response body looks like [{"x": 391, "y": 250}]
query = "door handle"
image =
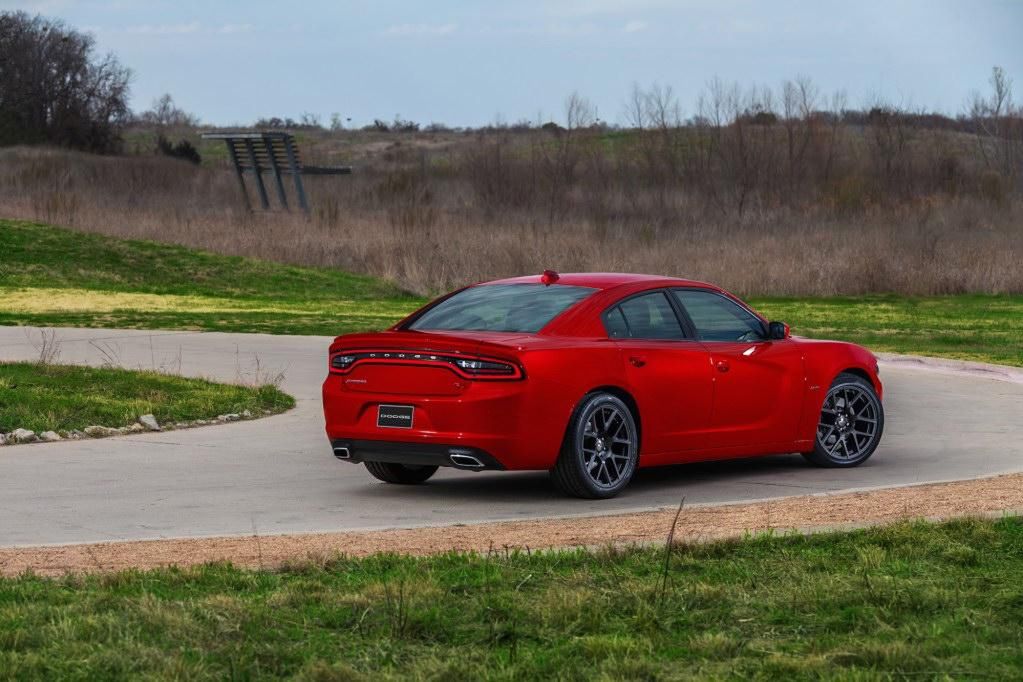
[
  {"x": 637, "y": 360},
  {"x": 723, "y": 366}
]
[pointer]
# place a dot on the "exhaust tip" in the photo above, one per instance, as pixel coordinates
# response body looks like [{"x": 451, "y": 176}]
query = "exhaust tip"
[
  {"x": 463, "y": 459},
  {"x": 342, "y": 453}
]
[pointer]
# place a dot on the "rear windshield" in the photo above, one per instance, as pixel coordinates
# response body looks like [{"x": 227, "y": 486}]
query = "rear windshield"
[{"x": 523, "y": 308}]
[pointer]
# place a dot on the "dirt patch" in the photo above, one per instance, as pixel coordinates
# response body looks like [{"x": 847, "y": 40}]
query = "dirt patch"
[{"x": 700, "y": 523}]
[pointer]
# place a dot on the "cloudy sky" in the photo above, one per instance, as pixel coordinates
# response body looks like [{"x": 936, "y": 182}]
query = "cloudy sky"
[{"x": 466, "y": 62}]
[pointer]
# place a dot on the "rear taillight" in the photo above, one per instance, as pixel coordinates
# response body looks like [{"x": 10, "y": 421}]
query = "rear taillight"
[
  {"x": 471, "y": 368},
  {"x": 341, "y": 361},
  {"x": 485, "y": 367}
]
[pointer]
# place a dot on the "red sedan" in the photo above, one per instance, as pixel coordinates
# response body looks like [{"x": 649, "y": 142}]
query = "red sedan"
[{"x": 591, "y": 376}]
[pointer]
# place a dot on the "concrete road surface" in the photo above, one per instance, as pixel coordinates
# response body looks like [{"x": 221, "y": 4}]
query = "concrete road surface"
[{"x": 277, "y": 475}]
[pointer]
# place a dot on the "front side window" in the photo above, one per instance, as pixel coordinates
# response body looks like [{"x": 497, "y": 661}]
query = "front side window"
[
  {"x": 525, "y": 308},
  {"x": 648, "y": 316},
  {"x": 718, "y": 318}
]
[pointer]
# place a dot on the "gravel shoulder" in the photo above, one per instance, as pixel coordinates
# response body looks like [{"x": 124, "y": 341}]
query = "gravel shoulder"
[{"x": 999, "y": 494}]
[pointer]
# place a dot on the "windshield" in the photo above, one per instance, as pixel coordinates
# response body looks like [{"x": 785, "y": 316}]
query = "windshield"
[{"x": 525, "y": 308}]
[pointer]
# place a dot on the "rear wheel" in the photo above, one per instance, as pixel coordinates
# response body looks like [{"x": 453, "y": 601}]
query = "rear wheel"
[
  {"x": 850, "y": 424},
  {"x": 405, "y": 474},
  {"x": 601, "y": 449}
]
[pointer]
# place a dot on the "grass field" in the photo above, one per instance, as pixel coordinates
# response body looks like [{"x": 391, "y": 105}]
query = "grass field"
[
  {"x": 52, "y": 276},
  {"x": 909, "y": 601},
  {"x": 43, "y": 397},
  {"x": 968, "y": 327}
]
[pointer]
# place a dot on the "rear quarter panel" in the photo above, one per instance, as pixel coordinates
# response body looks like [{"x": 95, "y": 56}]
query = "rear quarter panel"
[{"x": 558, "y": 375}]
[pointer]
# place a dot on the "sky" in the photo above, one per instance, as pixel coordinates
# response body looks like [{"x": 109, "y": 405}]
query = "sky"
[{"x": 468, "y": 63}]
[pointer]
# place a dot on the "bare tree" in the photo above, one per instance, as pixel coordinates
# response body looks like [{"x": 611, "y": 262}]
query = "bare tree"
[
  {"x": 829, "y": 151},
  {"x": 311, "y": 120},
  {"x": 665, "y": 116},
  {"x": 1001, "y": 92},
  {"x": 889, "y": 132},
  {"x": 54, "y": 88},
  {"x": 167, "y": 114},
  {"x": 657, "y": 117},
  {"x": 635, "y": 108},
  {"x": 999, "y": 124},
  {"x": 798, "y": 101},
  {"x": 663, "y": 110},
  {"x": 558, "y": 159},
  {"x": 739, "y": 140},
  {"x": 579, "y": 112}
]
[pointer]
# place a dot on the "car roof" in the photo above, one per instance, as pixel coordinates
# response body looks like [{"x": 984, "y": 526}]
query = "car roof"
[{"x": 603, "y": 280}]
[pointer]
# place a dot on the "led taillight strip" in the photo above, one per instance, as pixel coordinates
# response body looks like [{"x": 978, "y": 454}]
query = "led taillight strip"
[{"x": 343, "y": 362}]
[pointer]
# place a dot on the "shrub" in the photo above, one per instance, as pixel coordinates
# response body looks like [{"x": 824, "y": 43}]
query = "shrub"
[{"x": 182, "y": 150}]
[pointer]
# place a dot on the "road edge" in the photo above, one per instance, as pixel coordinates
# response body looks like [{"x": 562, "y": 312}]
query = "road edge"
[{"x": 991, "y": 496}]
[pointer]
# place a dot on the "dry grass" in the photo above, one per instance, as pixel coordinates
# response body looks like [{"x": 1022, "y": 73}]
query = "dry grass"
[
  {"x": 40, "y": 300},
  {"x": 421, "y": 219}
]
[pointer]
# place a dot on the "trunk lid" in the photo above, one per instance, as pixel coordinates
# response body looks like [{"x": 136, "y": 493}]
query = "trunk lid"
[{"x": 411, "y": 363}]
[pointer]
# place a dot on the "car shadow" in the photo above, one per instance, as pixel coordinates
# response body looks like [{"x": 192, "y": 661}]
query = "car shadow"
[{"x": 526, "y": 487}]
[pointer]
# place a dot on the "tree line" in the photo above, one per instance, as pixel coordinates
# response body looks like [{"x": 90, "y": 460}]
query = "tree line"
[
  {"x": 56, "y": 89},
  {"x": 741, "y": 144}
]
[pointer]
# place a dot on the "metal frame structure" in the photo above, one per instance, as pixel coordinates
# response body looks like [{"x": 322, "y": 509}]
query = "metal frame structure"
[{"x": 270, "y": 152}]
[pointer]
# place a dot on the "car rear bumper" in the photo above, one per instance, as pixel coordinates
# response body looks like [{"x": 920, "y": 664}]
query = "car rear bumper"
[
  {"x": 503, "y": 424},
  {"x": 422, "y": 454}
]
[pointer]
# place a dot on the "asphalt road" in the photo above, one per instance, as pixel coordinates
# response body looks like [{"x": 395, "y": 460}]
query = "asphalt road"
[{"x": 277, "y": 475}]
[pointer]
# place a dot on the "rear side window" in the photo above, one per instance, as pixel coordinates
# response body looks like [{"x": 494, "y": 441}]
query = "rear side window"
[
  {"x": 648, "y": 316},
  {"x": 525, "y": 308},
  {"x": 614, "y": 321},
  {"x": 717, "y": 318}
]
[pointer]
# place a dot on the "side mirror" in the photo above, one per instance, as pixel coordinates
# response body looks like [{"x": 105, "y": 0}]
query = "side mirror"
[{"x": 778, "y": 331}]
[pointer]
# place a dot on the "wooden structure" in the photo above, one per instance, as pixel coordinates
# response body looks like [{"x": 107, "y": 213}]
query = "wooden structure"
[{"x": 273, "y": 153}]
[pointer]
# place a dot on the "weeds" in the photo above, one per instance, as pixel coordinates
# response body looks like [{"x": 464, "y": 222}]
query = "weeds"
[
  {"x": 47, "y": 347},
  {"x": 109, "y": 352},
  {"x": 669, "y": 543},
  {"x": 259, "y": 376}
]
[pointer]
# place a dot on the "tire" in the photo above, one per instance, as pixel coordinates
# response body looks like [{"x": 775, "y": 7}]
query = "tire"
[
  {"x": 402, "y": 474},
  {"x": 850, "y": 424},
  {"x": 600, "y": 451}
]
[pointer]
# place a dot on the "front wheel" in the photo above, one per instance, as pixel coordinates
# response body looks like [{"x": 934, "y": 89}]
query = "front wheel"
[
  {"x": 404, "y": 474},
  {"x": 850, "y": 424},
  {"x": 600, "y": 451}
]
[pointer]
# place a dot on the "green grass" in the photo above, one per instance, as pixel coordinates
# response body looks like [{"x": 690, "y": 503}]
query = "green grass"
[
  {"x": 909, "y": 601},
  {"x": 61, "y": 398},
  {"x": 968, "y": 327},
  {"x": 53, "y": 276}
]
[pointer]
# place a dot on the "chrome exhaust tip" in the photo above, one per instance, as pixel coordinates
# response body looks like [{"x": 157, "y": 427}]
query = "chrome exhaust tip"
[
  {"x": 464, "y": 460},
  {"x": 342, "y": 453}
]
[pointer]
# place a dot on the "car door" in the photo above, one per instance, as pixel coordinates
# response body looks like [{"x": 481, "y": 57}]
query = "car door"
[
  {"x": 669, "y": 374},
  {"x": 758, "y": 382}
]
